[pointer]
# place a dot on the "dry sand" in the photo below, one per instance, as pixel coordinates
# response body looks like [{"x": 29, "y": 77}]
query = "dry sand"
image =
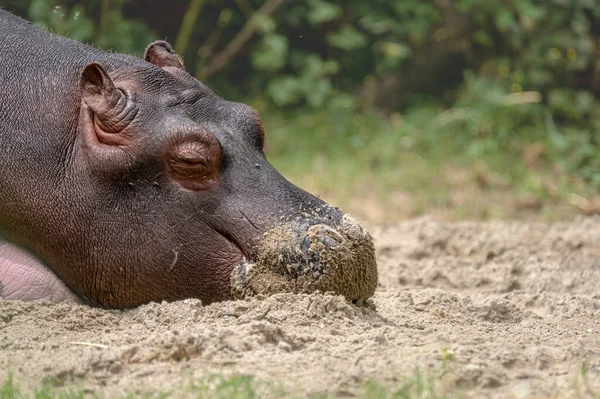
[{"x": 499, "y": 309}]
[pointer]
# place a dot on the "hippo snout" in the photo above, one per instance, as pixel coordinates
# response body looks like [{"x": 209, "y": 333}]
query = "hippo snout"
[
  {"x": 337, "y": 258},
  {"x": 312, "y": 258}
]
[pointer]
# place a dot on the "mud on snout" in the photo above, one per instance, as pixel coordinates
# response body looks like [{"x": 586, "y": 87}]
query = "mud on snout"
[{"x": 339, "y": 259}]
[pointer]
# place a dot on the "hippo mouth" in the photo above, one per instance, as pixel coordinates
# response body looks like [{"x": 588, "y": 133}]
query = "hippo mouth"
[
  {"x": 321, "y": 258},
  {"x": 291, "y": 258}
]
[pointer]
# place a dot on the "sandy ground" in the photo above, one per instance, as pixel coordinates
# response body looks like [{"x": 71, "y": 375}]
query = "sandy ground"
[{"x": 499, "y": 309}]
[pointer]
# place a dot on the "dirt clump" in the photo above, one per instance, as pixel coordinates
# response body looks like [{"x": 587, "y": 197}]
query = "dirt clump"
[
  {"x": 489, "y": 310},
  {"x": 326, "y": 260}
]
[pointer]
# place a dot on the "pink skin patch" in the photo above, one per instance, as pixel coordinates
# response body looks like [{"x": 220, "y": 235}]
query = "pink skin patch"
[{"x": 25, "y": 278}]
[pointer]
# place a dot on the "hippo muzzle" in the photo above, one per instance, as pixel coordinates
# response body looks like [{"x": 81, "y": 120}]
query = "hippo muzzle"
[{"x": 297, "y": 258}]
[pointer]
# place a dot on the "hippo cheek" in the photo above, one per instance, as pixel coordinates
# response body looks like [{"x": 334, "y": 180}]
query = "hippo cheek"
[
  {"x": 339, "y": 258},
  {"x": 204, "y": 271}
]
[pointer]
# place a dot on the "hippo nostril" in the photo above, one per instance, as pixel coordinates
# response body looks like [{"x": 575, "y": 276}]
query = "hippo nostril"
[
  {"x": 311, "y": 255},
  {"x": 326, "y": 235},
  {"x": 305, "y": 245},
  {"x": 305, "y": 249},
  {"x": 353, "y": 228}
]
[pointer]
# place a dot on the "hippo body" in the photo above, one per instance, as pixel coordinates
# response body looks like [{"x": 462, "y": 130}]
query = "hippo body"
[{"x": 125, "y": 180}]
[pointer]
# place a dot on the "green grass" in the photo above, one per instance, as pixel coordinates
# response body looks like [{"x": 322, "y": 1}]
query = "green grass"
[
  {"x": 426, "y": 161},
  {"x": 218, "y": 386},
  {"x": 416, "y": 386},
  {"x": 9, "y": 389}
]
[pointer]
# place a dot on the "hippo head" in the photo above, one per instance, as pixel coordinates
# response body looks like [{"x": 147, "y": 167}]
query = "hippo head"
[{"x": 186, "y": 204}]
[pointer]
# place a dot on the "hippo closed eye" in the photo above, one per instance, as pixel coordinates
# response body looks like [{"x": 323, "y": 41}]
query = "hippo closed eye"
[{"x": 126, "y": 180}]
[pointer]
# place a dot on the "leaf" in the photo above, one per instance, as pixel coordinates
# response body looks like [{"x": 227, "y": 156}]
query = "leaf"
[
  {"x": 531, "y": 11},
  {"x": 504, "y": 20},
  {"x": 309, "y": 64},
  {"x": 347, "y": 38},
  {"x": 317, "y": 92},
  {"x": 482, "y": 38},
  {"x": 265, "y": 23},
  {"x": 570, "y": 103},
  {"x": 331, "y": 67},
  {"x": 224, "y": 18},
  {"x": 376, "y": 24},
  {"x": 584, "y": 101},
  {"x": 395, "y": 50},
  {"x": 271, "y": 54},
  {"x": 323, "y": 11},
  {"x": 285, "y": 90}
]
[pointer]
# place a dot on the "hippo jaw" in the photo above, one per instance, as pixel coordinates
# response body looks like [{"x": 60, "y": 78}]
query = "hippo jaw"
[{"x": 339, "y": 259}]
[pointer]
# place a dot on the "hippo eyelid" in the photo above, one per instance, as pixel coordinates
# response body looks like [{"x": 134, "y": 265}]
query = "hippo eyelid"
[
  {"x": 192, "y": 159},
  {"x": 187, "y": 134}
]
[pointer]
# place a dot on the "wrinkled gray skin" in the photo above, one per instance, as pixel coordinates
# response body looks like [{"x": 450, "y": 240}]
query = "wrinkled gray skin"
[{"x": 128, "y": 179}]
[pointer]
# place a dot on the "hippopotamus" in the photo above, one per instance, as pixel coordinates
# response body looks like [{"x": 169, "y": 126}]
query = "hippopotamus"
[{"x": 126, "y": 180}]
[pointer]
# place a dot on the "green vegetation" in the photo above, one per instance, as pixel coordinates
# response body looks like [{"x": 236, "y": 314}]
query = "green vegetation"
[
  {"x": 436, "y": 385},
  {"x": 217, "y": 386},
  {"x": 9, "y": 389},
  {"x": 221, "y": 387},
  {"x": 418, "y": 162},
  {"x": 417, "y": 386},
  {"x": 392, "y": 102}
]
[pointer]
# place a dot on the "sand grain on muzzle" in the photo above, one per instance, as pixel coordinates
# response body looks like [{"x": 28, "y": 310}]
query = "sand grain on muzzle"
[{"x": 346, "y": 263}]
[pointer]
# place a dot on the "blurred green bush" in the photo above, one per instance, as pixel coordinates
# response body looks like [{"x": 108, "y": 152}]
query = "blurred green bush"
[{"x": 494, "y": 74}]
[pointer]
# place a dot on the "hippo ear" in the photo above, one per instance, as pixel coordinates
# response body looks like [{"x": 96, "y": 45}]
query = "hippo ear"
[
  {"x": 112, "y": 110},
  {"x": 98, "y": 90},
  {"x": 161, "y": 54}
]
